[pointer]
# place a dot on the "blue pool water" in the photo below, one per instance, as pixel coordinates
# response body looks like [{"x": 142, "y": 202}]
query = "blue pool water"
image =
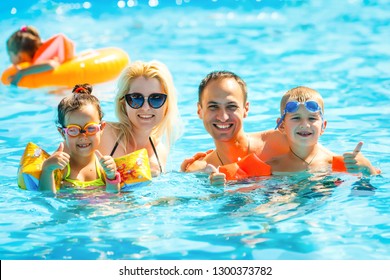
[{"x": 340, "y": 48}]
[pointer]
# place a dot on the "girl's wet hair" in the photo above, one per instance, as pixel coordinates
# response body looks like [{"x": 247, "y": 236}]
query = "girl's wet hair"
[
  {"x": 82, "y": 96},
  {"x": 26, "y": 39}
]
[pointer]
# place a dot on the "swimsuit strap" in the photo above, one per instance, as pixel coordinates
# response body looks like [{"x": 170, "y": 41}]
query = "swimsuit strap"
[
  {"x": 155, "y": 152},
  {"x": 116, "y": 145},
  {"x": 68, "y": 172},
  {"x": 114, "y": 149},
  {"x": 151, "y": 143}
]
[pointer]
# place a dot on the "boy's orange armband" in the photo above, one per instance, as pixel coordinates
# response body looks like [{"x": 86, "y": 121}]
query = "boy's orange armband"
[
  {"x": 338, "y": 164},
  {"x": 249, "y": 166}
]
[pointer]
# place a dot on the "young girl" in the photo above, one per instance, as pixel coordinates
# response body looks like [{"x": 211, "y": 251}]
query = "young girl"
[
  {"x": 81, "y": 164},
  {"x": 25, "y": 45}
]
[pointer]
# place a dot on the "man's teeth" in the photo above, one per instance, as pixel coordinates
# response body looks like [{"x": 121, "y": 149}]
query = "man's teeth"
[{"x": 223, "y": 126}]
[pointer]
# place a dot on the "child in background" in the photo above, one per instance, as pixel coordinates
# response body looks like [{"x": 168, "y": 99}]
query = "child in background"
[
  {"x": 25, "y": 45},
  {"x": 80, "y": 124},
  {"x": 302, "y": 121}
]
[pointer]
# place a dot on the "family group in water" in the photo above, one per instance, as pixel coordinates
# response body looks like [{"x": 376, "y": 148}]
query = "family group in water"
[{"x": 148, "y": 117}]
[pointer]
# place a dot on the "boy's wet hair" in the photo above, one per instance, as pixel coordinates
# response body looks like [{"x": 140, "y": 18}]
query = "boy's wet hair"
[
  {"x": 82, "y": 96},
  {"x": 219, "y": 75},
  {"x": 301, "y": 94},
  {"x": 26, "y": 40}
]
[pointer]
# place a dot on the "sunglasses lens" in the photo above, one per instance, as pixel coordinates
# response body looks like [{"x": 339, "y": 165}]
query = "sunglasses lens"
[
  {"x": 135, "y": 100},
  {"x": 312, "y": 106},
  {"x": 156, "y": 100}
]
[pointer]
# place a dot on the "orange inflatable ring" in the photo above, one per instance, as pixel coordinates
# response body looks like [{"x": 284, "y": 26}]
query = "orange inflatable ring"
[{"x": 94, "y": 66}]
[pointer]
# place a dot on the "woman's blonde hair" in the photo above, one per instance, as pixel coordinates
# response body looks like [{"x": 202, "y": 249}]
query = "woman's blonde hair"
[{"x": 169, "y": 128}]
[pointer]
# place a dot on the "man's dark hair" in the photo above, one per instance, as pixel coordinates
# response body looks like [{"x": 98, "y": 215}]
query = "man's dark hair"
[{"x": 216, "y": 75}]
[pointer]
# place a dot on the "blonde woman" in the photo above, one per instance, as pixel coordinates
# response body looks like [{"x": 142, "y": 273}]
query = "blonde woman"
[{"x": 146, "y": 107}]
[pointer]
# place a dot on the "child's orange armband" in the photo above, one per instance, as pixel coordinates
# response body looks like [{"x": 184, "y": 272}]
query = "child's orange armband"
[
  {"x": 249, "y": 166},
  {"x": 338, "y": 164},
  {"x": 232, "y": 171},
  {"x": 253, "y": 166}
]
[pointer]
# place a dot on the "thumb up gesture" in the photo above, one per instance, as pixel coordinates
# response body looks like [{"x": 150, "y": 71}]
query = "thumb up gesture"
[
  {"x": 108, "y": 164},
  {"x": 216, "y": 178},
  {"x": 58, "y": 160},
  {"x": 356, "y": 162}
]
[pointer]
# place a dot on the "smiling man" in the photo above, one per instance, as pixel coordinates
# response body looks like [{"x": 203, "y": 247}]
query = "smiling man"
[{"x": 223, "y": 106}]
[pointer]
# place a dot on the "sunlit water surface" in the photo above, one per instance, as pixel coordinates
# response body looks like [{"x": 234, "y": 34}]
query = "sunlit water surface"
[{"x": 339, "y": 48}]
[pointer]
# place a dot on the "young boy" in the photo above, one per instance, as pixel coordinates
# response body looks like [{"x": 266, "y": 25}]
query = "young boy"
[{"x": 302, "y": 122}]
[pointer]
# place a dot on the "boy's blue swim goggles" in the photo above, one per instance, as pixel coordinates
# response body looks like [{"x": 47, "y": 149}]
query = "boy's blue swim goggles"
[{"x": 293, "y": 106}]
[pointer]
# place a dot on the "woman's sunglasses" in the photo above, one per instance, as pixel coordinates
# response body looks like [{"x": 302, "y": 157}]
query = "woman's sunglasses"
[
  {"x": 74, "y": 130},
  {"x": 136, "y": 100},
  {"x": 293, "y": 106}
]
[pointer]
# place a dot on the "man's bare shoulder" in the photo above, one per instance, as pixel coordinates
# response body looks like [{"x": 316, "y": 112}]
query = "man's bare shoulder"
[{"x": 267, "y": 134}]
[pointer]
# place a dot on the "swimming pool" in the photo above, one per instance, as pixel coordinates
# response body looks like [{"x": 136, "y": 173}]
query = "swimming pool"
[{"x": 340, "y": 49}]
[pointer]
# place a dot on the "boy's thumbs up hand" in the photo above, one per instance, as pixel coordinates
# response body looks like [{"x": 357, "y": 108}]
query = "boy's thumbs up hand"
[
  {"x": 357, "y": 148},
  {"x": 108, "y": 164},
  {"x": 357, "y": 163},
  {"x": 351, "y": 159}
]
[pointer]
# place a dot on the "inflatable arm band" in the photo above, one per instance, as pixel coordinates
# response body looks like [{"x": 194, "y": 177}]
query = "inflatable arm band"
[
  {"x": 249, "y": 166},
  {"x": 134, "y": 169}
]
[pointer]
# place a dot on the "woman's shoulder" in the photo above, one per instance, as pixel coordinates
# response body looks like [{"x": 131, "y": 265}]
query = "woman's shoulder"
[
  {"x": 108, "y": 138},
  {"x": 110, "y": 129}
]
